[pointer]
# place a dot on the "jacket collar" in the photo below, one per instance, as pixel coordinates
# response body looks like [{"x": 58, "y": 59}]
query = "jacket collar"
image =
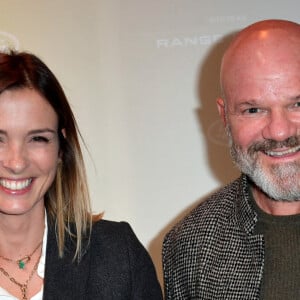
[{"x": 246, "y": 214}]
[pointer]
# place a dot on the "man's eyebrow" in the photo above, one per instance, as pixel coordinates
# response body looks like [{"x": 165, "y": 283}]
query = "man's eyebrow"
[
  {"x": 250, "y": 102},
  {"x": 295, "y": 98}
]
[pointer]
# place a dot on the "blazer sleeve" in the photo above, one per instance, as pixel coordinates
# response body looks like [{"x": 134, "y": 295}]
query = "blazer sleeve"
[{"x": 144, "y": 280}]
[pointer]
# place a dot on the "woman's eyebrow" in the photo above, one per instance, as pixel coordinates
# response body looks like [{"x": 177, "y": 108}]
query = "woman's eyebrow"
[{"x": 42, "y": 130}]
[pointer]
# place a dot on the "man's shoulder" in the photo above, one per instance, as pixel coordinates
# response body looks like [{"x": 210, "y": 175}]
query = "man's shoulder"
[{"x": 215, "y": 211}]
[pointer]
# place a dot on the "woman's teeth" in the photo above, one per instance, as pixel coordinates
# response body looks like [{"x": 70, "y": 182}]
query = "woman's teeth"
[{"x": 15, "y": 184}]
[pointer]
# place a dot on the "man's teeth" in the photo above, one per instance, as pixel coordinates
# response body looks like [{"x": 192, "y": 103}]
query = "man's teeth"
[
  {"x": 15, "y": 184},
  {"x": 283, "y": 153}
]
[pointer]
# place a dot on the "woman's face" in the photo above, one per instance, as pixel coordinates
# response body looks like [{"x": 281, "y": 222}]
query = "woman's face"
[{"x": 29, "y": 150}]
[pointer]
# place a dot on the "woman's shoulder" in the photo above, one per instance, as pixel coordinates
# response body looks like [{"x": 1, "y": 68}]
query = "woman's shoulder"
[
  {"x": 113, "y": 233},
  {"x": 116, "y": 249},
  {"x": 110, "y": 227}
]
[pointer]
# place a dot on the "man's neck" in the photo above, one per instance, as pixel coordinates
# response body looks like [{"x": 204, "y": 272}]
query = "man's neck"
[{"x": 275, "y": 207}]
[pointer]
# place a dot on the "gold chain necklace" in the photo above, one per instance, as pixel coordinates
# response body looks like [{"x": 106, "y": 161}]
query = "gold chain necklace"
[
  {"x": 24, "y": 260},
  {"x": 23, "y": 286}
]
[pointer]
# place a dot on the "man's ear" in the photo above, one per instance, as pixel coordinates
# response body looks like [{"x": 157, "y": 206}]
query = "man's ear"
[{"x": 221, "y": 110}]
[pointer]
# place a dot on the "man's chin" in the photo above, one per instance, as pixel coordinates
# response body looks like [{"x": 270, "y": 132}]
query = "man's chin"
[{"x": 283, "y": 190}]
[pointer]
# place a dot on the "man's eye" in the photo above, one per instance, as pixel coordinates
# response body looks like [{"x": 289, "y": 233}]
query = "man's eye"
[
  {"x": 40, "y": 139},
  {"x": 252, "y": 110}
]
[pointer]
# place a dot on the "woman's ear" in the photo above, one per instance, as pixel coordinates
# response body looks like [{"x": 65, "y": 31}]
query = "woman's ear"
[
  {"x": 221, "y": 109},
  {"x": 63, "y": 132}
]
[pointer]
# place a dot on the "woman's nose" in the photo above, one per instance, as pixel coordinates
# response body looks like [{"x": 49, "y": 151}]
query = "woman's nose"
[{"x": 14, "y": 158}]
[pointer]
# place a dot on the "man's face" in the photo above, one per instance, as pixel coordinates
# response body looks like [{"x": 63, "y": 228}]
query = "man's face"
[{"x": 262, "y": 118}]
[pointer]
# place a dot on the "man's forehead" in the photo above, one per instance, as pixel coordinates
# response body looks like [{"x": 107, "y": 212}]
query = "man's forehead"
[{"x": 261, "y": 49}]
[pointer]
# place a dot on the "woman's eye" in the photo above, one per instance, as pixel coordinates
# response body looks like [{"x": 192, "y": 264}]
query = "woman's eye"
[{"x": 40, "y": 139}]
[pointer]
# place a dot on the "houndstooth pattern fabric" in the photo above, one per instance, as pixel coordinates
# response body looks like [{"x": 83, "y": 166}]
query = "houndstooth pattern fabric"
[{"x": 212, "y": 254}]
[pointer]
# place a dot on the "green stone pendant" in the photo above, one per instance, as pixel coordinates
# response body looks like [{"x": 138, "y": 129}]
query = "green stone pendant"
[
  {"x": 23, "y": 261},
  {"x": 21, "y": 264}
]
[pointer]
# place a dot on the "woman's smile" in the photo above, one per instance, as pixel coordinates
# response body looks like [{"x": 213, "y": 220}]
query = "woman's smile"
[{"x": 15, "y": 185}]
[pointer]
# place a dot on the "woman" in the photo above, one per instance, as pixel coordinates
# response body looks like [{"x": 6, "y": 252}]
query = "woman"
[{"x": 51, "y": 247}]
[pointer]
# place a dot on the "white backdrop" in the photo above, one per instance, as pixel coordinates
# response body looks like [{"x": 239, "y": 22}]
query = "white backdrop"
[{"x": 142, "y": 78}]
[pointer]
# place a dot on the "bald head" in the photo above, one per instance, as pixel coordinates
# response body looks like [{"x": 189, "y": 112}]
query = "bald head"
[
  {"x": 270, "y": 45},
  {"x": 260, "y": 109}
]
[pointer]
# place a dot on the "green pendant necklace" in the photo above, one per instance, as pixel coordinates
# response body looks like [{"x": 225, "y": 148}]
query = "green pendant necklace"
[{"x": 24, "y": 260}]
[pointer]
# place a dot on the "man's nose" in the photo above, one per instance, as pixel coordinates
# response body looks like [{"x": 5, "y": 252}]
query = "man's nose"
[{"x": 280, "y": 126}]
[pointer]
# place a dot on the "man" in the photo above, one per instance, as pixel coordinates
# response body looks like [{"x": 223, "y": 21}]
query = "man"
[{"x": 244, "y": 241}]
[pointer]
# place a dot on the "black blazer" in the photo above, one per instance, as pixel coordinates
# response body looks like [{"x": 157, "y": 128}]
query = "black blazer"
[{"x": 114, "y": 266}]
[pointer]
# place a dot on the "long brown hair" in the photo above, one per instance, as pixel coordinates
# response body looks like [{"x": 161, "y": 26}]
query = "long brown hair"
[{"x": 67, "y": 201}]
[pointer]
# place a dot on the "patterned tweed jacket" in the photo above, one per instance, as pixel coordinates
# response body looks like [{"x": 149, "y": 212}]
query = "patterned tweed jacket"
[{"x": 212, "y": 254}]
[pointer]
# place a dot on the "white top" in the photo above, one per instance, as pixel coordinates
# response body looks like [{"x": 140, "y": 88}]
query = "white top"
[{"x": 5, "y": 295}]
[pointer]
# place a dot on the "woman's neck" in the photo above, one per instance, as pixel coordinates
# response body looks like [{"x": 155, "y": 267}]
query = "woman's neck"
[{"x": 19, "y": 234}]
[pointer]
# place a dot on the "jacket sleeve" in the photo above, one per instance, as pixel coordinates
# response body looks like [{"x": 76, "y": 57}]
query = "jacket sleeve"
[
  {"x": 144, "y": 280},
  {"x": 167, "y": 267}
]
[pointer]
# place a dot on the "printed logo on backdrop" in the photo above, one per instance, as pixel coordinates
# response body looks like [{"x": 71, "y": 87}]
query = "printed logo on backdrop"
[
  {"x": 8, "y": 42},
  {"x": 188, "y": 41},
  {"x": 216, "y": 133},
  {"x": 202, "y": 39}
]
